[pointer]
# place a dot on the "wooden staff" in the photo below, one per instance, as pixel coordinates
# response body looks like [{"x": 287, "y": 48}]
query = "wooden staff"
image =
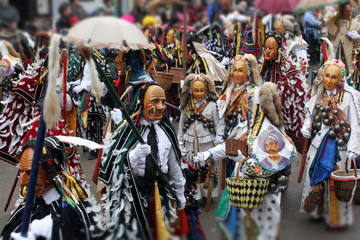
[
  {"x": 12, "y": 190},
  {"x": 223, "y": 172},
  {"x": 303, "y": 160},
  {"x": 210, "y": 186}
]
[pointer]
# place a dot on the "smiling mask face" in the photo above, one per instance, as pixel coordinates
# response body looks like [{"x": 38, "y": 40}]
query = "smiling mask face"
[{"x": 154, "y": 103}]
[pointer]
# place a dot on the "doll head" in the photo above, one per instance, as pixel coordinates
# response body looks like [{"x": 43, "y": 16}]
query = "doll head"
[
  {"x": 197, "y": 87},
  {"x": 242, "y": 68},
  {"x": 331, "y": 75}
]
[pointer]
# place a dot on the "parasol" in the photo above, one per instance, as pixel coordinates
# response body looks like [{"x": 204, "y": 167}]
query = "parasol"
[
  {"x": 307, "y": 5},
  {"x": 273, "y": 6},
  {"x": 108, "y": 32}
]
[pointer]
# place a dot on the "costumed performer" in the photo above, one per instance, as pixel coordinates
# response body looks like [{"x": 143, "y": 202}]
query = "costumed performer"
[
  {"x": 268, "y": 155},
  {"x": 198, "y": 121},
  {"x": 132, "y": 187},
  {"x": 291, "y": 85},
  {"x": 62, "y": 209},
  {"x": 332, "y": 124}
]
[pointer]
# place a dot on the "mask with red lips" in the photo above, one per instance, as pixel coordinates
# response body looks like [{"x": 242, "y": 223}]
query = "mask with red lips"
[{"x": 154, "y": 103}]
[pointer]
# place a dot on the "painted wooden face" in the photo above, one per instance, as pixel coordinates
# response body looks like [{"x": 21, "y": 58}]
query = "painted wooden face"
[
  {"x": 271, "y": 49},
  {"x": 154, "y": 103},
  {"x": 25, "y": 169},
  {"x": 279, "y": 27},
  {"x": 332, "y": 77},
  {"x": 198, "y": 90},
  {"x": 170, "y": 36},
  {"x": 240, "y": 74}
]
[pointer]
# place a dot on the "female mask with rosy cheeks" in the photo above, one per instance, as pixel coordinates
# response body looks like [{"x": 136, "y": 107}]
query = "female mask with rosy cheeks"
[
  {"x": 198, "y": 90},
  {"x": 332, "y": 77},
  {"x": 240, "y": 73}
]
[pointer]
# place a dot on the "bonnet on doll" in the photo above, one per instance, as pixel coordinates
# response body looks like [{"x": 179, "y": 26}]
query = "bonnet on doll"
[{"x": 186, "y": 92}]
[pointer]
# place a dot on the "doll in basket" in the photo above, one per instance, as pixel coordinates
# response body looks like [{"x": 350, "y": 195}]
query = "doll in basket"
[
  {"x": 198, "y": 121},
  {"x": 332, "y": 124},
  {"x": 269, "y": 151}
]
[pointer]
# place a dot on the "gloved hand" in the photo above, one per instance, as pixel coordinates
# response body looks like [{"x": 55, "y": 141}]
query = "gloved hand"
[
  {"x": 201, "y": 158},
  {"x": 183, "y": 150},
  {"x": 225, "y": 61},
  {"x": 352, "y": 35},
  {"x": 218, "y": 139},
  {"x": 17, "y": 236},
  {"x": 179, "y": 190},
  {"x": 137, "y": 158},
  {"x": 42, "y": 227},
  {"x": 306, "y": 131},
  {"x": 237, "y": 158},
  {"x": 351, "y": 155},
  {"x": 182, "y": 200},
  {"x": 116, "y": 115}
]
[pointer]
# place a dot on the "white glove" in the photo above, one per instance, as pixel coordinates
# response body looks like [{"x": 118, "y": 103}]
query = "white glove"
[
  {"x": 225, "y": 61},
  {"x": 351, "y": 155},
  {"x": 201, "y": 158},
  {"x": 218, "y": 139},
  {"x": 137, "y": 158},
  {"x": 42, "y": 227},
  {"x": 237, "y": 158},
  {"x": 182, "y": 200},
  {"x": 180, "y": 195},
  {"x": 78, "y": 89},
  {"x": 353, "y": 35},
  {"x": 183, "y": 151},
  {"x": 306, "y": 131},
  {"x": 116, "y": 115},
  {"x": 17, "y": 236}
]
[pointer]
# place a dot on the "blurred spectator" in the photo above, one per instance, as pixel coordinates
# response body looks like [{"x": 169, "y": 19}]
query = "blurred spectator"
[
  {"x": 108, "y": 7},
  {"x": 66, "y": 19},
  {"x": 213, "y": 9},
  {"x": 9, "y": 13},
  {"x": 343, "y": 32},
  {"x": 312, "y": 35},
  {"x": 77, "y": 10},
  {"x": 138, "y": 10}
]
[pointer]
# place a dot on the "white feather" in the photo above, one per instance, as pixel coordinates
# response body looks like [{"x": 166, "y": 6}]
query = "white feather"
[
  {"x": 30, "y": 122},
  {"x": 79, "y": 141},
  {"x": 51, "y": 102}
]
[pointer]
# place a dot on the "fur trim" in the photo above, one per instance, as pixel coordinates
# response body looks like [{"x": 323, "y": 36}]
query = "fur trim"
[
  {"x": 10, "y": 49},
  {"x": 209, "y": 83},
  {"x": 255, "y": 72},
  {"x": 96, "y": 90},
  {"x": 51, "y": 102},
  {"x": 270, "y": 103}
]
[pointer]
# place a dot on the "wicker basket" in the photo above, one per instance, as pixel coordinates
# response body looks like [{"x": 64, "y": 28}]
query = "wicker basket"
[
  {"x": 246, "y": 192},
  {"x": 164, "y": 79},
  {"x": 344, "y": 181},
  {"x": 178, "y": 73}
]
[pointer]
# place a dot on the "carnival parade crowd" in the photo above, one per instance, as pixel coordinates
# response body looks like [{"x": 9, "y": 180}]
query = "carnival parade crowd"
[{"x": 178, "y": 103}]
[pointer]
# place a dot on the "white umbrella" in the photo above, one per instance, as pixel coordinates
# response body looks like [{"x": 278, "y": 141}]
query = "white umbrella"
[
  {"x": 108, "y": 32},
  {"x": 306, "y": 5}
]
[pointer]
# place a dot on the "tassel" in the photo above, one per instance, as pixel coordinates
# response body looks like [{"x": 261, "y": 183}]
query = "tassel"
[
  {"x": 51, "y": 102},
  {"x": 97, "y": 90}
]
